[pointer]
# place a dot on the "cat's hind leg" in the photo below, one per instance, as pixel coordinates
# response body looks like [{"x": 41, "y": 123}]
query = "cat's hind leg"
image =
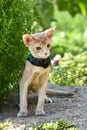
[{"x": 47, "y": 99}]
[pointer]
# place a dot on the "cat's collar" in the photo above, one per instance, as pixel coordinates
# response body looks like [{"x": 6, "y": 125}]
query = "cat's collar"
[{"x": 39, "y": 62}]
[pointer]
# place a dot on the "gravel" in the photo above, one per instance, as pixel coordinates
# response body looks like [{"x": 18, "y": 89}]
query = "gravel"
[{"x": 74, "y": 109}]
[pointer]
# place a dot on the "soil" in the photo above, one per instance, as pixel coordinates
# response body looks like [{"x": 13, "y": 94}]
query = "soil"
[{"x": 74, "y": 109}]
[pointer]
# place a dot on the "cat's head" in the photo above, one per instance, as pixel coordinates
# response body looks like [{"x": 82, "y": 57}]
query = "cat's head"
[{"x": 39, "y": 43}]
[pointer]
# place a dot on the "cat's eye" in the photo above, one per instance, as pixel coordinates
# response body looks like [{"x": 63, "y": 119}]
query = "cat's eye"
[
  {"x": 48, "y": 46},
  {"x": 38, "y": 48}
]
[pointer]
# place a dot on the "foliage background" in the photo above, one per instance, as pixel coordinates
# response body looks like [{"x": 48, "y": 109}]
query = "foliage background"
[
  {"x": 69, "y": 39},
  {"x": 17, "y": 17}
]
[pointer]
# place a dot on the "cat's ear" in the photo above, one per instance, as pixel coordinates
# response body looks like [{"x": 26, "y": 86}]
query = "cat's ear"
[
  {"x": 27, "y": 39},
  {"x": 49, "y": 32}
]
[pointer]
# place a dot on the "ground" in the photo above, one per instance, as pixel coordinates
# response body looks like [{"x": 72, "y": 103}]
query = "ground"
[{"x": 74, "y": 109}]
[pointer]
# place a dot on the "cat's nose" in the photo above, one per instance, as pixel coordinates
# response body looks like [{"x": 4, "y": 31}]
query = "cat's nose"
[{"x": 46, "y": 53}]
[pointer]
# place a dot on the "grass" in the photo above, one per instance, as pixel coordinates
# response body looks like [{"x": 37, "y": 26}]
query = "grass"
[
  {"x": 61, "y": 124},
  {"x": 3, "y": 126}
]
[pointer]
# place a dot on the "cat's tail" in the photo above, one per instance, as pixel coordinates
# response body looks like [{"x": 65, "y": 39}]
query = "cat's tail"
[{"x": 52, "y": 92}]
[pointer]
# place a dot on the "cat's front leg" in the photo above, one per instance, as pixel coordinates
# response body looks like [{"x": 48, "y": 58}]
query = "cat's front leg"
[
  {"x": 23, "y": 100},
  {"x": 41, "y": 99},
  {"x": 42, "y": 94}
]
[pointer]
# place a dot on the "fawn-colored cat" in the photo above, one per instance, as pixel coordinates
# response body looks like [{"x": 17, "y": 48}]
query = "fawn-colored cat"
[{"x": 36, "y": 71}]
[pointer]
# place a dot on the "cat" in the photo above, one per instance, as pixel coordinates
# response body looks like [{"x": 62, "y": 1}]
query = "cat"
[{"x": 35, "y": 74}]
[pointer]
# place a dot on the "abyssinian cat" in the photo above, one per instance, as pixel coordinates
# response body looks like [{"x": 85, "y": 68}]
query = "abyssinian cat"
[{"x": 36, "y": 71}]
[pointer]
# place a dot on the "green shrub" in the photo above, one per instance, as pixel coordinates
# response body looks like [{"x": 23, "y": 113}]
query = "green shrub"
[
  {"x": 71, "y": 34},
  {"x": 3, "y": 126},
  {"x": 70, "y": 41},
  {"x": 17, "y": 17},
  {"x": 56, "y": 125},
  {"x": 71, "y": 71}
]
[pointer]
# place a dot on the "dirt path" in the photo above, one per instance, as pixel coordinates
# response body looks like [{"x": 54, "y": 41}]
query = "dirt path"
[{"x": 73, "y": 109}]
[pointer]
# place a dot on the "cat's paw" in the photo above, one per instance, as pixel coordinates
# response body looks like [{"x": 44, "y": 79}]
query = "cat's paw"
[
  {"x": 48, "y": 100},
  {"x": 22, "y": 114},
  {"x": 40, "y": 113}
]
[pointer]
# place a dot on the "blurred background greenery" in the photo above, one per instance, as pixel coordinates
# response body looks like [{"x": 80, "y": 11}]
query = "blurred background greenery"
[{"x": 69, "y": 40}]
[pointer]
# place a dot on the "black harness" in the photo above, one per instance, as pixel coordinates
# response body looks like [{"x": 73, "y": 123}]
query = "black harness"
[{"x": 39, "y": 62}]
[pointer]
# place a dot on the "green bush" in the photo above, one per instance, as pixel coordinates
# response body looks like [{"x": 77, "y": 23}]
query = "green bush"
[
  {"x": 70, "y": 35},
  {"x": 70, "y": 41},
  {"x": 4, "y": 125},
  {"x": 71, "y": 70},
  {"x": 17, "y": 17},
  {"x": 73, "y": 6},
  {"x": 56, "y": 125}
]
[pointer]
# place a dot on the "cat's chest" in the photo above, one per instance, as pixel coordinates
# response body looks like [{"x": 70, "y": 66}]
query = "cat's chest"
[
  {"x": 38, "y": 78},
  {"x": 38, "y": 75}
]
